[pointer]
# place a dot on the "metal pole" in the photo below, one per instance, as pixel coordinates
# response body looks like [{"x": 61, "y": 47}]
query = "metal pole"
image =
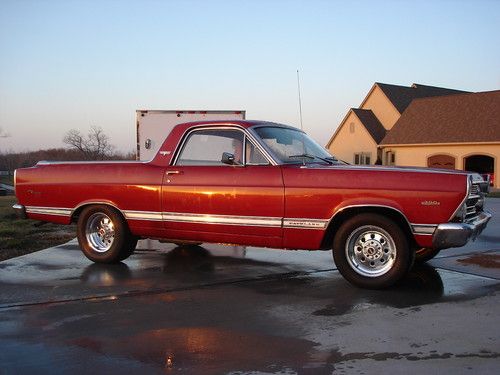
[{"x": 300, "y": 101}]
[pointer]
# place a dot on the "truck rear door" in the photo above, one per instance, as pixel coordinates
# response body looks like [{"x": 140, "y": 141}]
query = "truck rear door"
[{"x": 153, "y": 126}]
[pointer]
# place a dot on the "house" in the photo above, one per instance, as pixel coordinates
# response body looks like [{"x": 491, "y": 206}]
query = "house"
[
  {"x": 422, "y": 126},
  {"x": 457, "y": 132}
]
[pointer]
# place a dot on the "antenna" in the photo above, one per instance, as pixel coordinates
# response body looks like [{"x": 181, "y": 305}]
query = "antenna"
[{"x": 300, "y": 102}]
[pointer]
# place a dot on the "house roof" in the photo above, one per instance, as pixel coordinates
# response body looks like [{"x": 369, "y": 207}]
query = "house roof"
[
  {"x": 401, "y": 96},
  {"x": 371, "y": 123},
  {"x": 462, "y": 118}
]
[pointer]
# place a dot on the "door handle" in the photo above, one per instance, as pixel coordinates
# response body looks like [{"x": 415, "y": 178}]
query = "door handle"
[{"x": 173, "y": 172}]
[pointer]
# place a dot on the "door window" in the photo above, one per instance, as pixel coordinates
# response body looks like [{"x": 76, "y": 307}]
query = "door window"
[{"x": 205, "y": 147}]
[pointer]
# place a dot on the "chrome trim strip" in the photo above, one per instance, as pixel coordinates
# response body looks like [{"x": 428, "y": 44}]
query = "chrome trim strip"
[
  {"x": 370, "y": 205},
  {"x": 265, "y": 149},
  {"x": 469, "y": 185},
  {"x": 385, "y": 168},
  {"x": 94, "y": 202},
  {"x": 46, "y": 162},
  {"x": 418, "y": 229},
  {"x": 143, "y": 215},
  {"x": 222, "y": 219},
  {"x": 257, "y": 221},
  {"x": 295, "y": 223},
  {"x": 260, "y": 221},
  {"x": 423, "y": 229},
  {"x": 59, "y": 211}
]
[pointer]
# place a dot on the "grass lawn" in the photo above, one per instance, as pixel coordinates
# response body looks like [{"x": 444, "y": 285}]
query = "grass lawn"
[{"x": 19, "y": 237}]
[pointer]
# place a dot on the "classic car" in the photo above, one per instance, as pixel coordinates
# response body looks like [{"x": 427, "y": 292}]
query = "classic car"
[{"x": 259, "y": 184}]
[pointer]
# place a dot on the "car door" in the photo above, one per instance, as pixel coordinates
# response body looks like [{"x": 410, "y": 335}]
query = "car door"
[{"x": 205, "y": 199}]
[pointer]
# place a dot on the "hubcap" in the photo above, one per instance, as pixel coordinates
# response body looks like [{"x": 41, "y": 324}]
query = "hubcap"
[
  {"x": 100, "y": 232},
  {"x": 370, "y": 251}
]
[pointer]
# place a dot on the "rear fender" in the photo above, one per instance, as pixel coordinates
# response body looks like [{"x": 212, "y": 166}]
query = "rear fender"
[{"x": 78, "y": 209}]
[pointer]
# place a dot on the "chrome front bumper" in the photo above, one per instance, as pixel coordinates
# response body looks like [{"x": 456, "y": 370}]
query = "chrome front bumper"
[
  {"x": 458, "y": 234},
  {"x": 20, "y": 211}
]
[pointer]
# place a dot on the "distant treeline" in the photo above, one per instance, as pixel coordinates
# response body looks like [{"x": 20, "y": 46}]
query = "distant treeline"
[{"x": 11, "y": 161}]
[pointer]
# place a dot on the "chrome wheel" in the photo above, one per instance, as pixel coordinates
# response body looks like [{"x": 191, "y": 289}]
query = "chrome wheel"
[
  {"x": 370, "y": 251},
  {"x": 100, "y": 232}
]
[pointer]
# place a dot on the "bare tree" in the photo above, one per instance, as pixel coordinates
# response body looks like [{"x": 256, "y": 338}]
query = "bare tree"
[{"x": 95, "y": 146}]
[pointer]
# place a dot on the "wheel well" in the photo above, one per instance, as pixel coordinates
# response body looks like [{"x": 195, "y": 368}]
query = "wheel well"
[
  {"x": 346, "y": 214},
  {"x": 76, "y": 213}
]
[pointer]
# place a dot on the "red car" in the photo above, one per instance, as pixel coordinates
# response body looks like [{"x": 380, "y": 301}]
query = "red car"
[
  {"x": 490, "y": 178},
  {"x": 261, "y": 184}
]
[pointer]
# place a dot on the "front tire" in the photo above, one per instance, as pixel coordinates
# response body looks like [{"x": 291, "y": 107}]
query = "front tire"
[
  {"x": 103, "y": 235},
  {"x": 372, "y": 251},
  {"x": 425, "y": 254}
]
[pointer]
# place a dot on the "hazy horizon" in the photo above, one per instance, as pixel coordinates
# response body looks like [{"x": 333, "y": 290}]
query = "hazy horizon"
[{"x": 76, "y": 64}]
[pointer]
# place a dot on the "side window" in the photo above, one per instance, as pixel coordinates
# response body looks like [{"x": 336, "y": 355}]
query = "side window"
[
  {"x": 205, "y": 147},
  {"x": 254, "y": 156}
]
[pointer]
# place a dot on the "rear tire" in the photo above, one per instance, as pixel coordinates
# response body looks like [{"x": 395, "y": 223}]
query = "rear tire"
[
  {"x": 103, "y": 235},
  {"x": 372, "y": 251},
  {"x": 425, "y": 254},
  {"x": 130, "y": 248}
]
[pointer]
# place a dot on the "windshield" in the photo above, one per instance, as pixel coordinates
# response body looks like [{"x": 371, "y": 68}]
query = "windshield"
[{"x": 293, "y": 146}]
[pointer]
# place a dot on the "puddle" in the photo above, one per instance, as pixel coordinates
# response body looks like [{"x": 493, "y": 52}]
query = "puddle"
[{"x": 482, "y": 260}]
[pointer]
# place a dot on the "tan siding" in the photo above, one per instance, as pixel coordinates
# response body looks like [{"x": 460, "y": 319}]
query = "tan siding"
[
  {"x": 383, "y": 109},
  {"x": 346, "y": 143}
]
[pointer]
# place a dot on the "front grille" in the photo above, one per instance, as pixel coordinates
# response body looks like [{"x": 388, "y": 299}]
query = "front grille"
[
  {"x": 474, "y": 203},
  {"x": 474, "y": 190}
]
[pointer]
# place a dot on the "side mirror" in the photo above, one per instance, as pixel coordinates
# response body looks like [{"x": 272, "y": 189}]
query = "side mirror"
[{"x": 227, "y": 158}]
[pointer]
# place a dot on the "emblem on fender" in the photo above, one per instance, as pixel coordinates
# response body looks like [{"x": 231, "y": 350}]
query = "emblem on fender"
[{"x": 430, "y": 203}]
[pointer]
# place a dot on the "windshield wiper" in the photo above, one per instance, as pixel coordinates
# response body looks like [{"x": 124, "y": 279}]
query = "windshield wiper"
[
  {"x": 332, "y": 158},
  {"x": 312, "y": 157}
]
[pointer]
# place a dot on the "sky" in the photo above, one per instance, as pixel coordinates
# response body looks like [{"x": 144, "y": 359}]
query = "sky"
[{"x": 77, "y": 64}]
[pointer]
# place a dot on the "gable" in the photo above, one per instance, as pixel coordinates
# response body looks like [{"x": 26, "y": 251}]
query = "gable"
[
  {"x": 381, "y": 106},
  {"x": 351, "y": 137}
]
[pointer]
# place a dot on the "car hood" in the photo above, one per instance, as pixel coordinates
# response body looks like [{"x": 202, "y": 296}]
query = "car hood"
[{"x": 381, "y": 168}]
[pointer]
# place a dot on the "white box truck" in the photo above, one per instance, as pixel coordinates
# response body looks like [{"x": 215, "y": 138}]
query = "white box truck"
[{"x": 153, "y": 126}]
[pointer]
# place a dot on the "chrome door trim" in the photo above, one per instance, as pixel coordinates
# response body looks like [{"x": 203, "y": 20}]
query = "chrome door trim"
[{"x": 222, "y": 126}]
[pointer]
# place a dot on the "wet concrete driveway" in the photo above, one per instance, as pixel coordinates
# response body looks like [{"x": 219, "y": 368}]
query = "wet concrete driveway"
[{"x": 233, "y": 310}]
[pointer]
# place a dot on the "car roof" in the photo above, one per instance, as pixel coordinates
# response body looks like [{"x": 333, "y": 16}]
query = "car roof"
[{"x": 242, "y": 123}]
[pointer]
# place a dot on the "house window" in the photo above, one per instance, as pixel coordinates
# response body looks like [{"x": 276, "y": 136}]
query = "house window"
[
  {"x": 351, "y": 127},
  {"x": 361, "y": 158},
  {"x": 390, "y": 158}
]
